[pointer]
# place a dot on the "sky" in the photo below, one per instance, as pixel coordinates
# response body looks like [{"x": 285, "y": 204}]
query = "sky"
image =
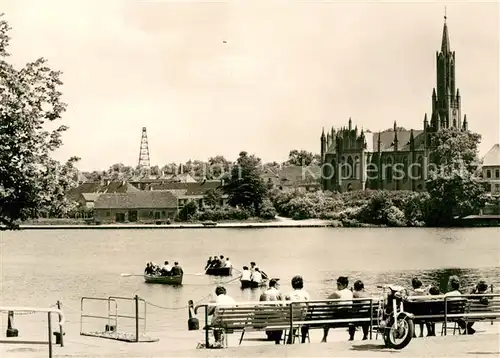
[{"x": 218, "y": 77}]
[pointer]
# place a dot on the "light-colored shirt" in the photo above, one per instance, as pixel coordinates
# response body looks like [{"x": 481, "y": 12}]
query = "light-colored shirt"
[
  {"x": 453, "y": 293},
  {"x": 298, "y": 295},
  {"x": 256, "y": 276},
  {"x": 246, "y": 275},
  {"x": 346, "y": 294},
  {"x": 271, "y": 294},
  {"x": 227, "y": 263},
  {"x": 221, "y": 300},
  {"x": 167, "y": 267}
]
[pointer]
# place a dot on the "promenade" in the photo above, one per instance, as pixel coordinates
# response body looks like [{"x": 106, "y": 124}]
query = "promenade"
[
  {"x": 182, "y": 343},
  {"x": 278, "y": 223}
]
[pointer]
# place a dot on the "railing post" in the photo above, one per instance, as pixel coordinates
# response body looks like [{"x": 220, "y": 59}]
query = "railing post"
[
  {"x": 371, "y": 317},
  {"x": 291, "y": 333},
  {"x": 206, "y": 327},
  {"x": 136, "y": 298},
  {"x": 49, "y": 325},
  {"x": 445, "y": 323},
  {"x": 60, "y": 325}
]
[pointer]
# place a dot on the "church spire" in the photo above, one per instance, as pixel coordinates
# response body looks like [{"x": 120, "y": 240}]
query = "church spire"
[{"x": 445, "y": 42}]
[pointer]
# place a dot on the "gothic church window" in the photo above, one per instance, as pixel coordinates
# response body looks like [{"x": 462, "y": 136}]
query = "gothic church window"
[
  {"x": 357, "y": 172},
  {"x": 420, "y": 167},
  {"x": 343, "y": 168},
  {"x": 350, "y": 167},
  {"x": 405, "y": 170},
  {"x": 388, "y": 170}
]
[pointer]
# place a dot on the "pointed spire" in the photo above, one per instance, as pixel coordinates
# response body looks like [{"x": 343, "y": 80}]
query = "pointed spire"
[
  {"x": 434, "y": 93},
  {"x": 465, "y": 124},
  {"x": 426, "y": 122},
  {"x": 350, "y": 123},
  {"x": 323, "y": 133},
  {"x": 445, "y": 42},
  {"x": 395, "y": 126},
  {"x": 458, "y": 93}
]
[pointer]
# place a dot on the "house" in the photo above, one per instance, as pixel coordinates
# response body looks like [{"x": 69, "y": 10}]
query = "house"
[
  {"x": 144, "y": 182},
  {"x": 136, "y": 206},
  {"x": 293, "y": 177},
  {"x": 490, "y": 169},
  {"x": 87, "y": 193},
  {"x": 189, "y": 191}
]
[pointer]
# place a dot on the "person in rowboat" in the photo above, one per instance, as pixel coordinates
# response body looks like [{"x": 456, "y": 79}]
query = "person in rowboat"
[
  {"x": 177, "y": 270},
  {"x": 256, "y": 276},
  {"x": 166, "y": 269},
  {"x": 209, "y": 263}
]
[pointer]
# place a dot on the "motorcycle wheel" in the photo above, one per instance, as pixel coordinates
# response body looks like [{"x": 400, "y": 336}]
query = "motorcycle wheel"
[{"x": 400, "y": 335}]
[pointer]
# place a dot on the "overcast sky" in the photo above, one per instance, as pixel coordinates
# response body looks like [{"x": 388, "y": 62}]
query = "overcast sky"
[{"x": 288, "y": 69}]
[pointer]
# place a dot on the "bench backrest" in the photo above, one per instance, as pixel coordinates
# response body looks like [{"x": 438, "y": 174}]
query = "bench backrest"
[
  {"x": 359, "y": 310},
  {"x": 483, "y": 304},
  {"x": 258, "y": 316}
]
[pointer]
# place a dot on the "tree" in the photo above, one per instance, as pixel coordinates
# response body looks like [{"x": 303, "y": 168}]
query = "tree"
[
  {"x": 302, "y": 158},
  {"x": 453, "y": 190},
  {"x": 245, "y": 186},
  {"x": 218, "y": 167},
  {"x": 213, "y": 198},
  {"x": 188, "y": 211},
  {"x": 454, "y": 149},
  {"x": 450, "y": 196},
  {"x": 29, "y": 98}
]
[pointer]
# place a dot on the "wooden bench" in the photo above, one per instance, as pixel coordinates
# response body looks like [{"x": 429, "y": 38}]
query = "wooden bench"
[
  {"x": 338, "y": 314},
  {"x": 433, "y": 309},
  {"x": 288, "y": 316}
]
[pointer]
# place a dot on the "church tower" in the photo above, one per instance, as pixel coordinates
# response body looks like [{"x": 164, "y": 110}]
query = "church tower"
[{"x": 446, "y": 101}]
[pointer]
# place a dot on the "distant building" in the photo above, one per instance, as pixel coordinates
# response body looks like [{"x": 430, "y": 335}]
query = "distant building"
[
  {"x": 490, "y": 169},
  {"x": 354, "y": 159},
  {"x": 190, "y": 191},
  {"x": 293, "y": 177},
  {"x": 136, "y": 206},
  {"x": 87, "y": 193},
  {"x": 143, "y": 183}
]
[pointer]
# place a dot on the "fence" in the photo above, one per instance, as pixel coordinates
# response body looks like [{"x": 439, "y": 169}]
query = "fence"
[
  {"x": 20, "y": 310},
  {"x": 119, "y": 324}
]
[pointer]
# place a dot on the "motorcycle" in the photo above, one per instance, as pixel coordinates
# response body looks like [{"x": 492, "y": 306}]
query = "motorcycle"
[{"x": 395, "y": 325}]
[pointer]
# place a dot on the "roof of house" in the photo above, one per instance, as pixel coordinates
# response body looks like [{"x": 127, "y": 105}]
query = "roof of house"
[
  {"x": 100, "y": 187},
  {"x": 90, "y": 196},
  {"x": 293, "y": 174},
  {"x": 493, "y": 156},
  {"x": 197, "y": 188},
  {"x": 137, "y": 200}
]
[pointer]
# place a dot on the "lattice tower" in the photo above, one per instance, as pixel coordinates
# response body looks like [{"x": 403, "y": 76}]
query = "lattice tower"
[{"x": 144, "y": 150}]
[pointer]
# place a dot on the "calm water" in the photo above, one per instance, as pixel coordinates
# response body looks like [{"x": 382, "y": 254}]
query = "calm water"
[{"x": 40, "y": 267}]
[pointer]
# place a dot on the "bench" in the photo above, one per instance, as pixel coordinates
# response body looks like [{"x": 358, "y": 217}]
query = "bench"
[
  {"x": 289, "y": 316},
  {"x": 338, "y": 314},
  {"x": 460, "y": 308}
]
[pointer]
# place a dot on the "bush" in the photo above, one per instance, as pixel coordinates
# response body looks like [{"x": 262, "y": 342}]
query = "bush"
[{"x": 267, "y": 210}]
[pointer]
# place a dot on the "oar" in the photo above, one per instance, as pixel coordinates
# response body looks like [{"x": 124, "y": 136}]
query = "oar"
[{"x": 129, "y": 275}]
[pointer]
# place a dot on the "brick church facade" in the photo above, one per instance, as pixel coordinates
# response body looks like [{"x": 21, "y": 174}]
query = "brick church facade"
[{"x": 358, "y": 160}]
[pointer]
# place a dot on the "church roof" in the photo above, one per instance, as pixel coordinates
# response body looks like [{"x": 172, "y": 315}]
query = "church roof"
[{"x": 493, "y": 156}]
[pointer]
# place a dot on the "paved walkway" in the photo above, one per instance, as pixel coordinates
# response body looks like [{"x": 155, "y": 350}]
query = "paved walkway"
[{"x": 483, "y": 344}]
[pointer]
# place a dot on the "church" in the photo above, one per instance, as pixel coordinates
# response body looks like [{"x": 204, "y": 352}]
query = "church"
[{"x": 394, "y": 159}]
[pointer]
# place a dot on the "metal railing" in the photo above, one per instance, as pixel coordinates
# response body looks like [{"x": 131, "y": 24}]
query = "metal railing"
[
  {"x": 49, "y": 312},
  {"x": 113, "y": 315}
]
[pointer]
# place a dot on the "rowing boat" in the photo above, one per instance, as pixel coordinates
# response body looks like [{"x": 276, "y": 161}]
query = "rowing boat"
[
  {"x": 253, "y": 284},
  {"x": 219, "y": 271},
  {"x": 165, "y": 280}
]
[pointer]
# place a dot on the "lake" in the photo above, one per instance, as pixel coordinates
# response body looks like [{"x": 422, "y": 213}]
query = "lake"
[{"x": 40, "y": 267}]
